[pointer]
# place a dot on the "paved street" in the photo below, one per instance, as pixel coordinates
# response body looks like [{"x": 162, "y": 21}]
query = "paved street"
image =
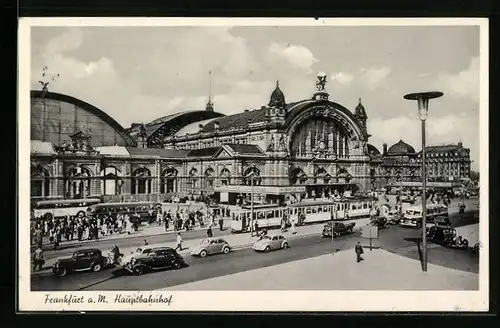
[
  {"x": 247, "y": 259},
  {"x": 341, "y": 272}
]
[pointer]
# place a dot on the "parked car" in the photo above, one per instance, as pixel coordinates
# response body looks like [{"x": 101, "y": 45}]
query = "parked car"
[
  {"x": 159, "y": 258},
  {"x": 81, "y": 260},
  {"x": 138, "y": 252},
  {"x": 339, "y": 229},
  {"x": 211, "y": 246},
  {"x": 442, "y": 221},
  {"x": 380, "y": 222},
  {"x": 270, "y": 243},
  {"x": 446, "y": 236}
]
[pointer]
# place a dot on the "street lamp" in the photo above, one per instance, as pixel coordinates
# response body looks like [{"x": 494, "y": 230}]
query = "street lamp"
[
  {"x": 251, "y": 176},
  {"x": 422, "y": 99}
]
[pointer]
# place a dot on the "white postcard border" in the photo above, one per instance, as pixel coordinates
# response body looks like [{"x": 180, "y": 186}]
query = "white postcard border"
[{"x": 242, "y": 300}]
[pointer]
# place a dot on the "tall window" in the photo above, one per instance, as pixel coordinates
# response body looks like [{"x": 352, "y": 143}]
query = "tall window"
[
  {"x": 111, "y": 181},
  {"x": 77, "y": 182},
  {"x": 225, "y": 177},
  {"x": 141, "y": 181},
  {"x": 168, "y": 181},
  {"x": 193, "y": 178},
  {"x": 250, "y": 173},
  {"x": 209, "y": 178},
  {"x": 40, "y": 182}
]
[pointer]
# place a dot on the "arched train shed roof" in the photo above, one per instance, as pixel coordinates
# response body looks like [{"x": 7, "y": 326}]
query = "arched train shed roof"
[
  {"x": 87, "y": 107},
  {"x": 171, "y": 124}
]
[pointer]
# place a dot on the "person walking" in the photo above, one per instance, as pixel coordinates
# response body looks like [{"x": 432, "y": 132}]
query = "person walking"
[
  {"x": 179, "y": 242},
  {"x": 38, "y": 259},
  {"x": 294, "y": 231},
  {"x": 209, "y": 231},
  {"x": 359, "y": 250},
  {"x": 221, "y": 223}
]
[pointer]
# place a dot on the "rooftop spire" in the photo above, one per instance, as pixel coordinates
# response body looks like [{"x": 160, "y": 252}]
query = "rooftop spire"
[{"x": 210, "y": 105}]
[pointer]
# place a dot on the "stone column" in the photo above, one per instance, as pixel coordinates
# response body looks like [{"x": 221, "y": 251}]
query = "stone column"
[
  {"x": 95, "y": 182},
  {"x": 127, "y": 182}
]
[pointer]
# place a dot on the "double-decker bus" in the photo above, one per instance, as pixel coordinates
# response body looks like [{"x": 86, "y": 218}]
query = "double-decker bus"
[
  {"x": 310, "y": 212},
  {"x": 64, "y": 207}
]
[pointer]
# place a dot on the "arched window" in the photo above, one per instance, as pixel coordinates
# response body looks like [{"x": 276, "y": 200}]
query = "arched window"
[
  {"x": 343, "y": 176},
  {"x": 40, "y": 181},
  {"x": 252, "y": 173},
  {"x": 77, "y": 182},
  {"x": 168, "y": 180},
  {"x": 193, "y": 178},
  {"x": 225, "y": 177},
  {"x": 141, "y": 181},
  {"x": 209, "y": 178},
  {"x": 111, "y": 181},
  {"x": 298, "y": 176},
  {"x": 321, "y": 176}
]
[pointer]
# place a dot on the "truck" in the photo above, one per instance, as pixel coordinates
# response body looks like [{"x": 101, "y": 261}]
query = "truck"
[{"x": 339, "y": 229}]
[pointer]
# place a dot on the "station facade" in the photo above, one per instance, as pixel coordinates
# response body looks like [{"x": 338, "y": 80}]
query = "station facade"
[{"x": 280, "y": 152}]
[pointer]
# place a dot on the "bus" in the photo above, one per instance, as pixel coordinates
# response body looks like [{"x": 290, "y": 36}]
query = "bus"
[
  {"x": 48, "y": 209},
  {"x": 413, "y": 215},
  {"x": 270, "y": 216},
  {"x": 145, "y": 210}
]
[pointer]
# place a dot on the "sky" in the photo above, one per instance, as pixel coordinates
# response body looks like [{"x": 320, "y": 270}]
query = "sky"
[{"x": 137, "y": 74}]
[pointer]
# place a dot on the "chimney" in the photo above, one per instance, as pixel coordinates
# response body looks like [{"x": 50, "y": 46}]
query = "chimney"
[
  {"x": 460, "y": 144},
  {"x": 216, "y": 125},
  {"x": 246, "y": 110},
  {"x": 384, "y": 151}
]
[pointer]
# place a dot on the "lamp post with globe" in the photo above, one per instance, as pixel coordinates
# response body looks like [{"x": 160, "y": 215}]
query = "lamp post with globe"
[{"x": 422, "y": 99}]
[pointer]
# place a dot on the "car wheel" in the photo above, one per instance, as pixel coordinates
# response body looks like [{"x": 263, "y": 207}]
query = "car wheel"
[
  {"x": 203, "y": 253},
  {"x": 97, "y": 267},
  {"x": 225, "y": 250},
  {"x": 61, "y": 272},
  {"x": 267, "y": 249},
  {"x": 466, "y": 243},
  {"x": 138, "y": 270},
  {"x": 176, "y": 265},
  {"x": 285, "y": 245}
]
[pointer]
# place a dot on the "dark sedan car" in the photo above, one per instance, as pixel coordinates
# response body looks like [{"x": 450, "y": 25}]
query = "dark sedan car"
[
  {"x": 159, "y": 258},
  {"x": 81, "y": 260}
]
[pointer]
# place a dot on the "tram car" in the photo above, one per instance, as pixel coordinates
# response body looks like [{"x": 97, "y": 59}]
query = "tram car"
[{"x": 270, "y": 217}]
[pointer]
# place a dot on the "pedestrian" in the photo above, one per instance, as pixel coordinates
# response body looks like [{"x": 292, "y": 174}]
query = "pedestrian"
[
  {"x": 38, "y": 259},
  {"x": 221, "y": 223},
  {"x": 209, "y": 231},
  {"x": 179, "y": 242},
  {"x": 359, "y": 250},
  {"x": 145, "y": 242},
  {"x": 294, "y": 231}
]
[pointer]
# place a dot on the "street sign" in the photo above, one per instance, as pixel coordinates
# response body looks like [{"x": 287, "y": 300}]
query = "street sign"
[{"x": 370, "y": 232}]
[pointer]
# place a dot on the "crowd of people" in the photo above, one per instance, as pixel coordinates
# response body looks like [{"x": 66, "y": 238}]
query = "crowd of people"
[{"x": 88, "y": 227}]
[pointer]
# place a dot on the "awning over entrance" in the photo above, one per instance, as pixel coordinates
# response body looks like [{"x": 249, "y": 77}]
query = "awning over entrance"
[
  {"x": 418, "y": 184},
  {"x": 268, "y": 190}
]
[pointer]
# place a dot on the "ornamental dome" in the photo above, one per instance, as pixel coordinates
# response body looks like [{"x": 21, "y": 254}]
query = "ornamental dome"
[
  {"x": 400, "y": 148},
  {"x": 277, "y": 97}
]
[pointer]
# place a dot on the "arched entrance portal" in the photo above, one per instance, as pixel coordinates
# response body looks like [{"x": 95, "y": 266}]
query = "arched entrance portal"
[
  {"x": 111, "y": 181},
  {"x": 40, "y": 181},
  {"x": 77, "y": 182},
  {"x": 169, "y": 181}
]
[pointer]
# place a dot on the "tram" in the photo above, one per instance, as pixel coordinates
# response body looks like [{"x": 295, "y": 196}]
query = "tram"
[{"x": 270, "y": 216}]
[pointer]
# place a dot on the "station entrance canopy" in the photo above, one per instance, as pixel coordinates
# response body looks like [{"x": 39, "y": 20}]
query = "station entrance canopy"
[
  {"x": 417, "y": 184},
  {"x": 266, "y": 190}
]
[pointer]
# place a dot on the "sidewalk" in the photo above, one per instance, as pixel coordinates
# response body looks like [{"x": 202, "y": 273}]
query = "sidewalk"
[
  {"x": 340, "y": 271},
  {"x": 236, "y": 241},
  {"x": 144, "y": 231}
]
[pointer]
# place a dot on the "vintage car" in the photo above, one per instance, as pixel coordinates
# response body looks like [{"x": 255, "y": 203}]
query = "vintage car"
[
  {"x": 138, "y": 252},
  {"x": 442, "y": 220},
  {"x": 211, "y": 246},
  {"x": 81, "y": 260},
  {"x": 270, "y": 243},
  {"x": 380, "y": 222},
  {"x": 339, "y": 229},
  {"x": 159, "y": 258},
  {"x": 445, "y": 236}
]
